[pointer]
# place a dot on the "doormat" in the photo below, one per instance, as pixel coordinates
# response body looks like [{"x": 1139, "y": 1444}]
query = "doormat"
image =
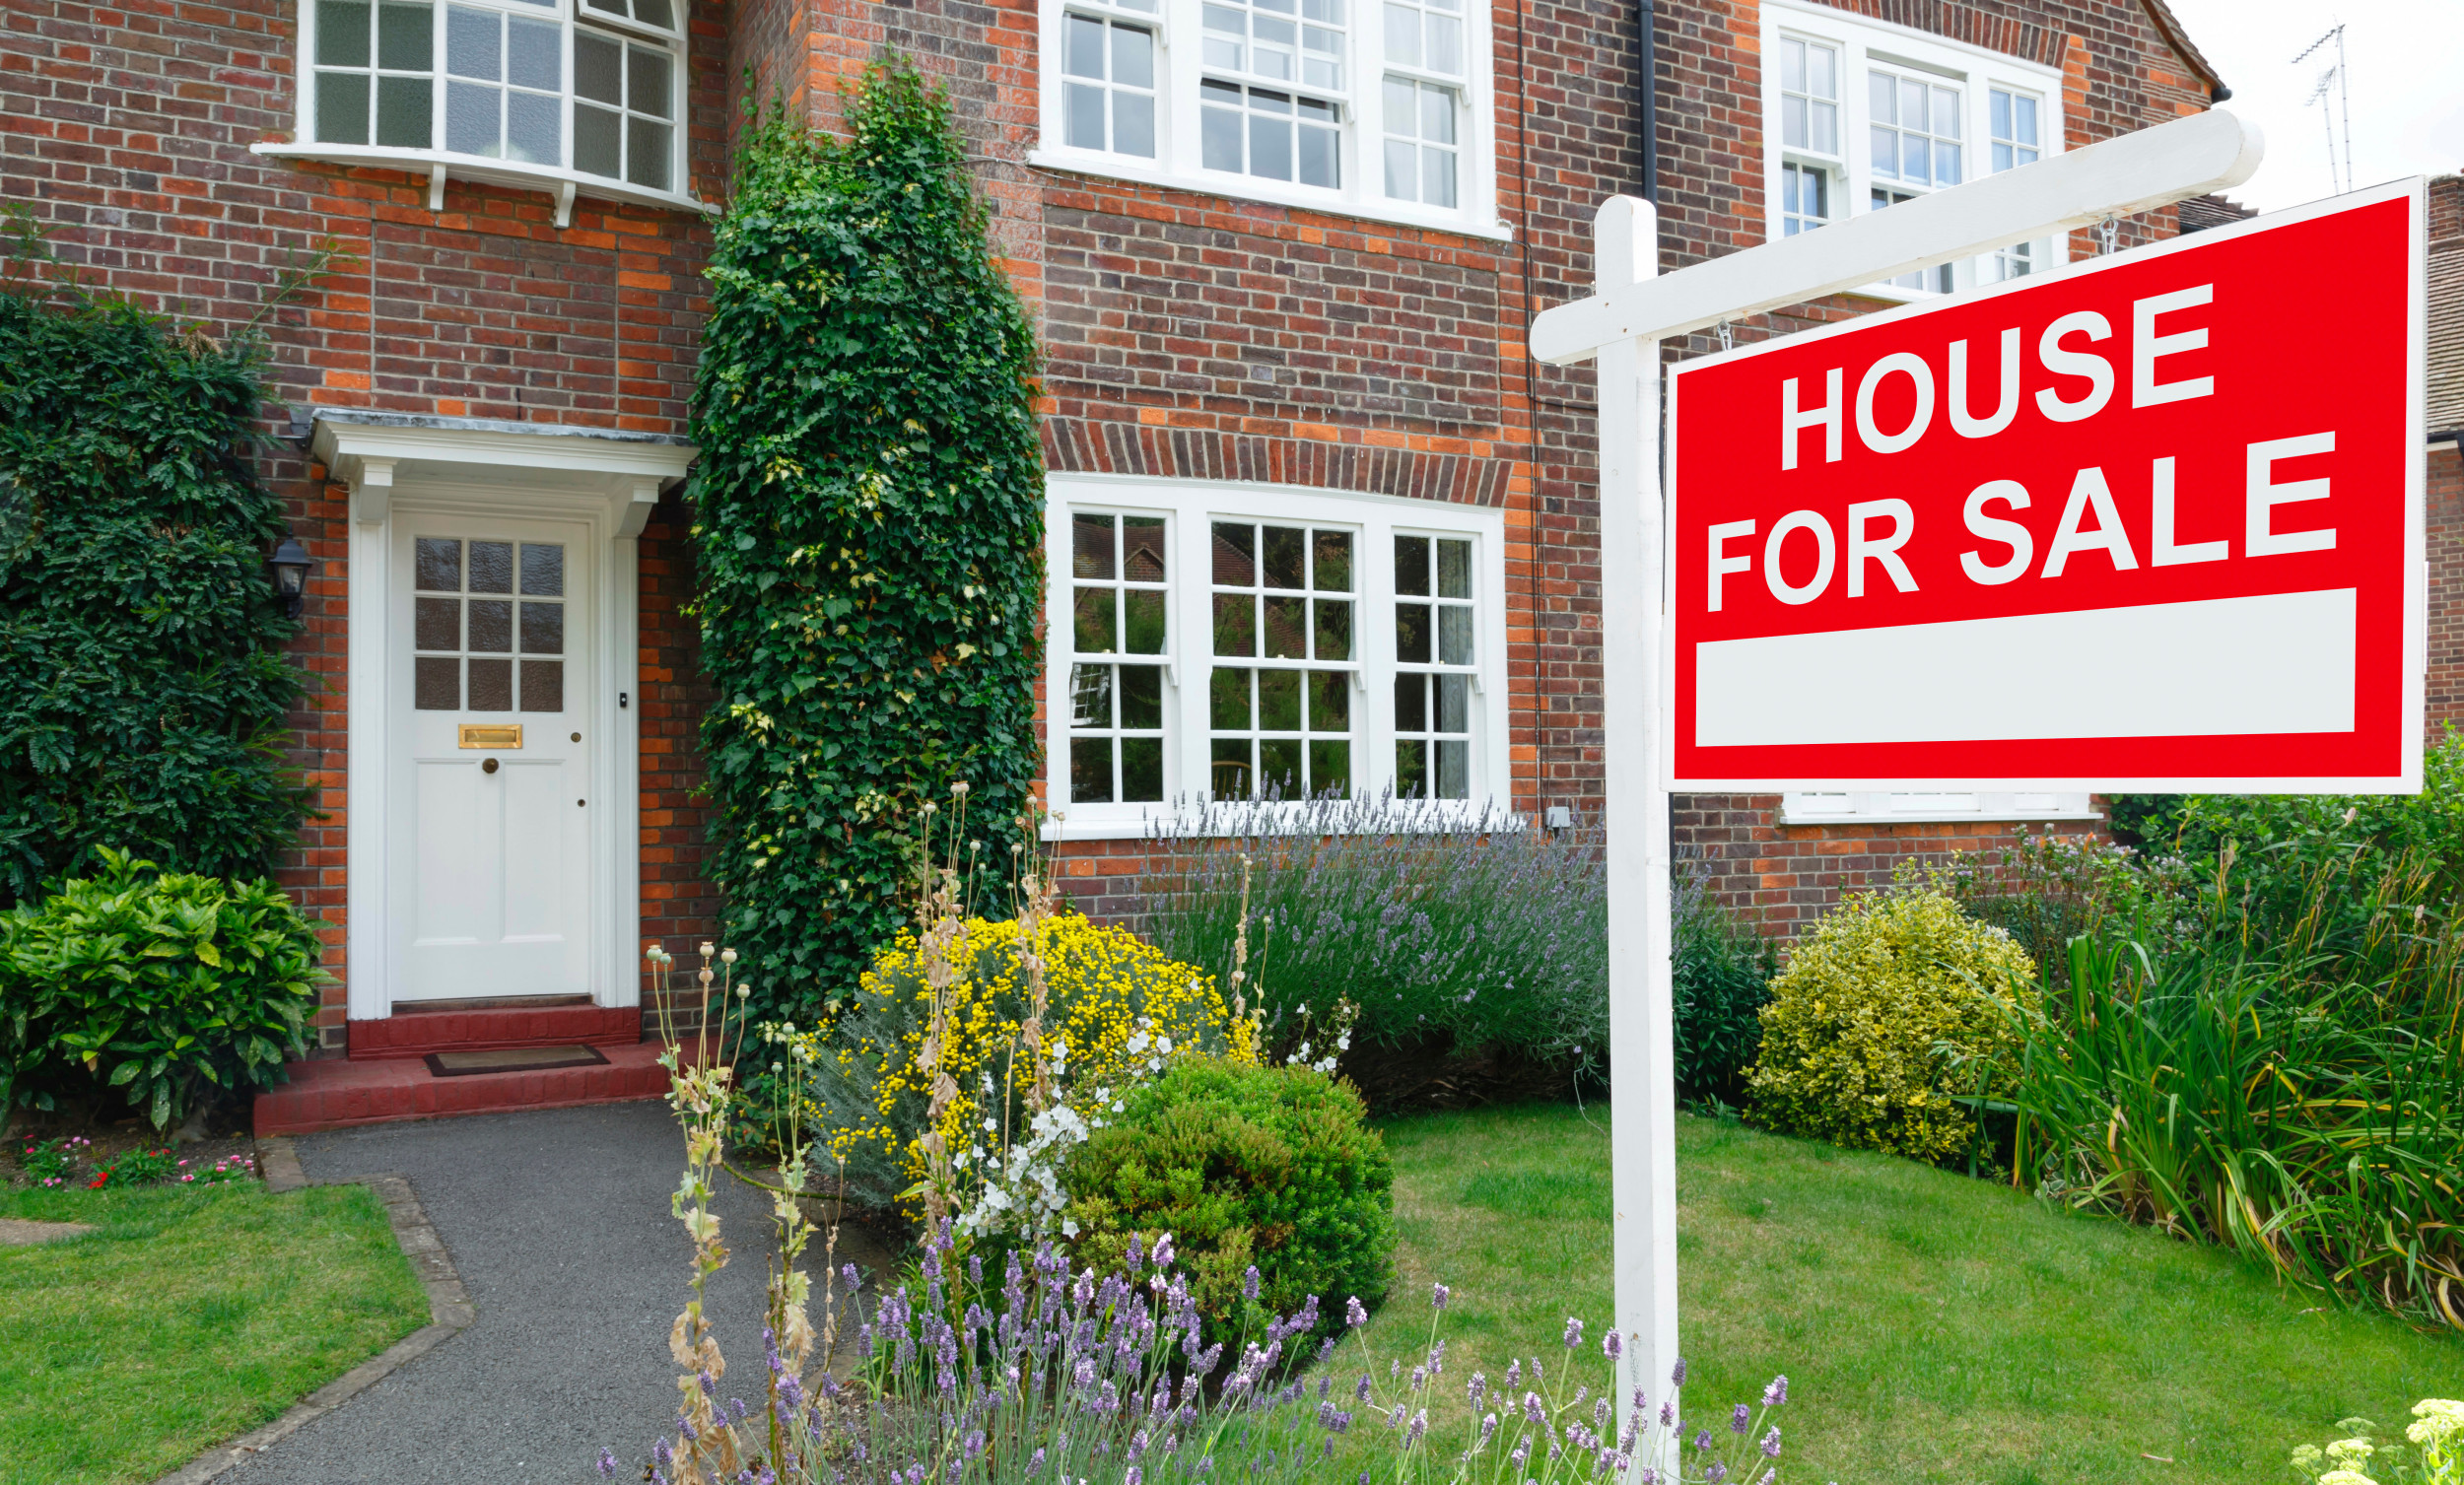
[{"x": 462, "y": 1064}]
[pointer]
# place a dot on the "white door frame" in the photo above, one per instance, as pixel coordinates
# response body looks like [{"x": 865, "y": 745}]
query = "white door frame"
[{"x": 606, "y": 482}]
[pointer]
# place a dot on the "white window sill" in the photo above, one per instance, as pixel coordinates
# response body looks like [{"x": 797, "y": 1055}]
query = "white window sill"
[
  {"x": 1276, "y": 192},
  {"x": 1236, "y": 820},
  {"x": 438, "y": 167}
]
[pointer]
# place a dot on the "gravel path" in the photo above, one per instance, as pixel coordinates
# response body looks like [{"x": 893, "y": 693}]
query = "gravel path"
[{"x": 557, "y": 1221}]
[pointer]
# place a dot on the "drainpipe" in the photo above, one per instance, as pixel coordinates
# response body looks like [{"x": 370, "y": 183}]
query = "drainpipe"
[{"x": 1651, "y": 106}]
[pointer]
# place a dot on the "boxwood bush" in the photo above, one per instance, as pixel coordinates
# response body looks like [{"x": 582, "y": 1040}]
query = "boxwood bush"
[
  {"x": 1273, "y": 1167},
  {"x": 165, "y": 986},
  {"x": 1889, "y": 993}
]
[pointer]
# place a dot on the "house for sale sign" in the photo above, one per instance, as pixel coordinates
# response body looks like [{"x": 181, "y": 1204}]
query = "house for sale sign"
[{"x": 2153, "y": 520}]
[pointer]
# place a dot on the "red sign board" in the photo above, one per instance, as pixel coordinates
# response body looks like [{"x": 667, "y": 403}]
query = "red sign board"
[{"x": 2150, "y": 521}]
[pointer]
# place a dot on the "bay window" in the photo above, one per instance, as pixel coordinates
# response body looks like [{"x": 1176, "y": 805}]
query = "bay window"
[
  {"x": 568, "y": 95},
  {"x": 1260, "y": 644},
  {"x": 1863, "y": 114},
  {"x": 1369, "y": 108}
]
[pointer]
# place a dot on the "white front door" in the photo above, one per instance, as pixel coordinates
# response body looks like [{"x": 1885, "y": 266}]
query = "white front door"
[{"x": 488, "y": 806}]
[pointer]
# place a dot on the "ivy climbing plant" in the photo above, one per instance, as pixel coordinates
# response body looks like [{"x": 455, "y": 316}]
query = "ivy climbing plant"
[
  {"x": 142, "y": 689},
  {"x": 868, "y": 529}
]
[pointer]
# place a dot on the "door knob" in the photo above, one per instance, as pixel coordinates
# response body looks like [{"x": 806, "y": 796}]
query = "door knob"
[{"x": 488, "y": 765}]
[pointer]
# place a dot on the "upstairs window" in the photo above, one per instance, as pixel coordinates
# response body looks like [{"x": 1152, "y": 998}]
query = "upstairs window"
[
  {"x": 520, "y": 89},
  {"x": 1372, "y": 108},
  {"x": 1862, "y": 116}
]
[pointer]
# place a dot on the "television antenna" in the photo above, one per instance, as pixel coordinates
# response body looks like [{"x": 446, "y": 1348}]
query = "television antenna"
[{"x": 2338, "y": 117}]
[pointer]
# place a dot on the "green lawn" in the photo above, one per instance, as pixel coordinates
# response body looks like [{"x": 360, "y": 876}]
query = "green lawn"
[
  {"x": 1932, "y": 1329},
  {"x": 185, "y": 1317}
]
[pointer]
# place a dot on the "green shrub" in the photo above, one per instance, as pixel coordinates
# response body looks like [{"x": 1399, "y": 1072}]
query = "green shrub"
[
  {"x": 1873, "y": 1008},
  {"x": 142, "y": 694},
  {"x": 1265, "y": 1165},
  {"x": 868, "y": 532},
  {"x": 161, "y": 984},
  {"x": 1720, "y": 980}
]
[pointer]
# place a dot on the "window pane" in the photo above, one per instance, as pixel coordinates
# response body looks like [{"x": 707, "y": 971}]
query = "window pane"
[
  {"x": 655, "y": 12},
  {"x": 543, "y": 629},
  {"x": 406, "y": 113},
  {"x": 1278, "y": 701},
  {"x": 1090, "y": 771},
  {"x": 1090, "y": 696},
  {"x": 491, "y": 685},
  {"x": 1453, "y": 635},
  {"x": 341, "y": 33},
  {"x": 1095, "y": 622},
  {"x": 1132, "y": 56},
  {"x": 534, "y": 53},
  {"x": 1329, "y": 768},
  {"x": 1454, "y": 570},
  {"x": 543, "y": 571},
  {"x": 406, "y": 37},
  {"x": 1227, "y": 701},
  {"x": 1232, "y": 777},
  {"x": 646, "y": 91},
  {"x": 598, "y": 68},
  {"x": 1143, "y": 622},
  {"x": 645, "y": 153},
  {"x": 1438, "y": 176},
  {"x": 1142, "y": 696},
  {"x": 1793, "y": 65},
  {"x": 1287, "y": 551},
  {"x": 437, "y": 623},
  {"x": 1403, "y": 170},
  {"x": 1319, "y": 160},
  {"x": 439, "y": 560},
  {"x": 1134, "y": 124},
  {"x": 543, "y": 685},
  {"x": 1452, "y": 702},
  {"x": 1411, "y": 564},
  {"x": 1141, "y": 548},
  {"x": 1083, "y": 56},
  {"x": 1269, "y": 146},
  {"x": 1091, "y": 546},
  {"x": 1410, "y": 767},
  {"x": 1411, "y": 704},
  {"x": 1403, "y": 34},
  {"x": 1220, "y": 137},
  {"x": 472, "y": 123},
  {"x": 1236, "y": 624},
  {"x": 1288, "y": 629},
  {"x": 1883, "y": 98},
  {"x": 1945, "y": 163},
  {"x": 342, "y": 107},
  {"x": 1333, "y": 629},
  {"x": 1141, "y": 769},
  {"x": 491, "y": 625},
  {"x": 1278, "y": 767},
  {"x": 1411, "y": 633},
  {"x": 1885, "y": 146},
  {"x": 1945, "y": 117},
  {"x": 1826, "y": 128},
  {"x": 492, "y": 567},
  {"x": 1236, "y": 555},
  {"x": 436, "y": 684},
  {"x": 597, "y": 136},
  {"x": 1444, "y": 40},
  {"x": 1084, "y": 129},
  {"x": 1998, "y": 106},
  {"x": 473, "y": 41},
  {"x": 1454, "y": 770},
  {"x": 2027, "y": 134},
  {"x": 1822, "y": 64},
  {"x": 1793, "y": 123},
  {"x": 533, "y": 122},
  {"x": 1329, "y": 701}
]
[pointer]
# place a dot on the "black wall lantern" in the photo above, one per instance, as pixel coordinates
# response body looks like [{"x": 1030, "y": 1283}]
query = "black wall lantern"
[{"x": 291, "y": 566}]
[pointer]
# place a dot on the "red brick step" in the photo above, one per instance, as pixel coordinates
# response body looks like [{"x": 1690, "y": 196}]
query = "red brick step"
[
  {"x": 415, "y": 1031},
  {"x": 331, "y": 1093}
]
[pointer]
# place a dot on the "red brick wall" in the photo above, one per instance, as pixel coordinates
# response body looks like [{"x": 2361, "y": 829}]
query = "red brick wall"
[
  {"x": 2444, "y": 694},
  {"x": 1785, "y": 876},
  {"x": 126, "y": 128}
]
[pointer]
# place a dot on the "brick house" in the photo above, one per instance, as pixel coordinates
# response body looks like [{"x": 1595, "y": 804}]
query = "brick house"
[{"x": 1281, "y": 259}]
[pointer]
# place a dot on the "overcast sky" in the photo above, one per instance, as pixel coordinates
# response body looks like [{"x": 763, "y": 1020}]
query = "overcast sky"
[{"x": 2407, "y": 62}]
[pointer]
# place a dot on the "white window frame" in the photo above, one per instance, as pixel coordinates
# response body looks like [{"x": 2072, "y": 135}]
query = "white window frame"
[
  {"x": 1863, "y": 44},
  {"x": 561, "y": 181},
  {"x": 1189, "y": 508},
  {"x": 1909, "y": 807},
  {"x": 1179, "y": 27}
]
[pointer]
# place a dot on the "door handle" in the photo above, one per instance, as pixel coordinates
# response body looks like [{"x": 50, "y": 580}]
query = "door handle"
[{"x": 486, "y": 765}]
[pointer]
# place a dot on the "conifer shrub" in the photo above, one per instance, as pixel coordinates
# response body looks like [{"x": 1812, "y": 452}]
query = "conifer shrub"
[
  {"x": 1882, "y": 1022},
  {"x": 868, "y": 529},
  {"x": 1243, "y": 1165}
]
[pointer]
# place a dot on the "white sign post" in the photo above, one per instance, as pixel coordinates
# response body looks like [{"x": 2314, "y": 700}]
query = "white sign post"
[{"x": 1621, "y": 327}]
